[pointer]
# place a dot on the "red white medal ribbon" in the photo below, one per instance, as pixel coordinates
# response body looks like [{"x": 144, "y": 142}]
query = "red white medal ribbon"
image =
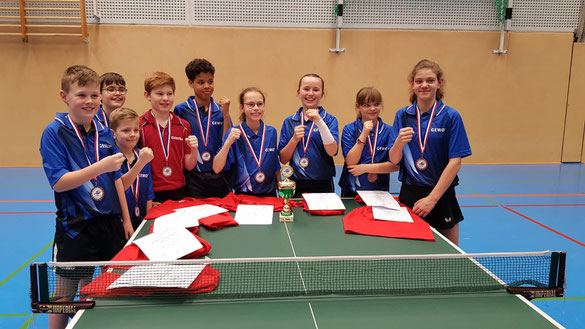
[
  {"x": 422, "y": 145},
  {"x": 166, "y": 150},
  {"x": 105, "y": 119},
  {"x": 257, "y": 159},
  {"x": 135, "y": 187},
  {"x": 306, "y": 146},
  {"x": 204, "y": 136},
  {"x": 373, "y": 149},
  {"x": 97, "y": 141}
]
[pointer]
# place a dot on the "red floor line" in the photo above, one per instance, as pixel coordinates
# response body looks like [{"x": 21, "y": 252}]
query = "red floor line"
[
  {"x": 547, "y": 205},
  {"x": 512, "y": 195},
  {"x": 25, "y": 212},
  {"x": 546, "y": 227},
  {"x": 16, "y": 201},
  {"x": 480, "y": 206}
]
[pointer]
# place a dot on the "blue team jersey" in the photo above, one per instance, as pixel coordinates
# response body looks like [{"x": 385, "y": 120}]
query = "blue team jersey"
[
  {"x": 350, "y": 134},
  {"x": 447, "y": 139},
  {"x": 145, "y": 192},
  {"x": 62, "y": 153},
  {"x": 321, "y": 166},
  {"x": 189, "y": 111},
  {"x": 102, "y": 117},
  {"x": 245, "y": 164}
]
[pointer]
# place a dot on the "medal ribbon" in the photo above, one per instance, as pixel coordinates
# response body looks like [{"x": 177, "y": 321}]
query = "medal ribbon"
[
  {"x": 258, "y": 161},
  {"x": 166, "y": 150},
  {"x": 105, "y": 119},
  {"x": 97, "y": 141},
  {"x": 305, "y": 146},
  {"x": 422, "y": 145},
  {"x": 135, "y": 189},
  {"x": 204, "y": 136},
  {"x": 373, "y": 149}
]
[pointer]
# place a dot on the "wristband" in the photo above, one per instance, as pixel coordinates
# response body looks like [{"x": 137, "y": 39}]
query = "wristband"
[{"x": 359, "y": 141}]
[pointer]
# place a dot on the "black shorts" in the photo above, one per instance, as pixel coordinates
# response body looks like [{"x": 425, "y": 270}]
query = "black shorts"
[
  {"x": 206, "y": 184},
  {"x": 313, "y": 186},
  {"x": 175, "y": 195},
  {"x": 446, "y": 212},
  {"x": 99, "y": 239}
]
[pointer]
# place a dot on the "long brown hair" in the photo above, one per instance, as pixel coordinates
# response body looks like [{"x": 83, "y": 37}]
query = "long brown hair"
[{"x": 433, "y": 66}]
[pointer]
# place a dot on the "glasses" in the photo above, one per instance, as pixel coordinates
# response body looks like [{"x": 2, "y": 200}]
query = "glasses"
[
  {"x": 260, "y": 105},
  {"x": 113, "y": 90},
  {"x": 368, "y": 105}
]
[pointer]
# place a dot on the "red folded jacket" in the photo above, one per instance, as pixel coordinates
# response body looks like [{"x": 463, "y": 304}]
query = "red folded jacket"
[
  {"x": 361, "y": 221},
  {"x": 205, "y": 282},
  {"x": 303, "y": 204}
]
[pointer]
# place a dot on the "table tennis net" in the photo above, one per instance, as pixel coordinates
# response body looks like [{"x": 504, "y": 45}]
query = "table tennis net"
[{"x": 536, "y": 274}]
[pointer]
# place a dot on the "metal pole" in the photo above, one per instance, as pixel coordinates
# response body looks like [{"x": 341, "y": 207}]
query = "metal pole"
[
  {"x": 339, "y": 24},
  {"x": 505, "y": 27}
]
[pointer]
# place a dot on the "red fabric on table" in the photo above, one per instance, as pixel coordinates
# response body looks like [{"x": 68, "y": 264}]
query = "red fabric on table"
[
  {"x": 278, "y": 203},
  {"x": 303, "y": 204},
  {"x": 206, "y": 281},
  {"x": 169, "y": 206},
  {"x": 133, "y": 252},
  {"x": 361, "y": 221}
]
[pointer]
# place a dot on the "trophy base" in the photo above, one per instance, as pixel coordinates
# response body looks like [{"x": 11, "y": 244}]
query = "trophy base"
[{"x": 286, "y": 217}]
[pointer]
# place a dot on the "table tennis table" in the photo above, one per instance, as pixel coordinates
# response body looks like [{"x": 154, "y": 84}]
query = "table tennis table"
[{"x": 318, "y": 236}]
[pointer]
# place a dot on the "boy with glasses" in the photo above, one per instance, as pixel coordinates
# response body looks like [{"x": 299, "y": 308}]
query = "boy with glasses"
[{"x": 113, "y": 91}]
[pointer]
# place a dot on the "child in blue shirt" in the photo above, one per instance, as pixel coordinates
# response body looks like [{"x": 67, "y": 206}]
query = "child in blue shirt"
[
  {"x": 137, "y": 179},
  {"x": 364, "y": 144},
  {"x": 309, "y": 139},
  {"x": 429, "y": 141},
  {"x": 82, "y": 164},
  {"x": 209, "y": 122},
  {"x": 113, "y": 91},
  {"x": 251, "y": 149}
]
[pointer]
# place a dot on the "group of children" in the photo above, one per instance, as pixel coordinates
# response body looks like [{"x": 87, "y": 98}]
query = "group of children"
[{"x": 108, "y": 166}]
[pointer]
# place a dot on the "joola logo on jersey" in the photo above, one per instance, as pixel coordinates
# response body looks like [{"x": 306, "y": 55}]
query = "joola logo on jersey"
[
  {"x": 177, "y": 138},
  {"x": 437, "y": 130},
  {"x": 269, "y": 149},
  {"x": 105, "y": 146},
  {"x": 217, "y": 123}
]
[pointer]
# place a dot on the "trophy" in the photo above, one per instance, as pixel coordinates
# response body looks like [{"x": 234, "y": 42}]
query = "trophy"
[{"x": 286, "y": 189}]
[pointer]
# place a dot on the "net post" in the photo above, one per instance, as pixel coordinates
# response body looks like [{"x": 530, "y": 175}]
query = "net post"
[
  {"x": 43, "y": 283},
  {"x": 34, "y": 289}
]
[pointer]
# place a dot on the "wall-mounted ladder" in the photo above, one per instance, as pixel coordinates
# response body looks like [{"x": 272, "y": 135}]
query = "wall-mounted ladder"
[{"x": 43, "y": 18}]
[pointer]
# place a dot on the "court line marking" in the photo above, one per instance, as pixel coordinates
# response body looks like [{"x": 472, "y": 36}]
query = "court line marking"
[
  {"x": 25, "y": 264},
  {"x": 530, "y": 219},
  {"x": 14, "y": 315},
  {"x": 300, "y": 273}
]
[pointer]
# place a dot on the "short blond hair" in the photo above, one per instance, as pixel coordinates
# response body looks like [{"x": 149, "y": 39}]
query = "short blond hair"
[{"x": 121, "y": 115}]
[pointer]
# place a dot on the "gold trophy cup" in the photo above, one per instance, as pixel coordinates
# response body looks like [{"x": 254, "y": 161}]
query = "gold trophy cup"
[{"x": 286, "y": 189}]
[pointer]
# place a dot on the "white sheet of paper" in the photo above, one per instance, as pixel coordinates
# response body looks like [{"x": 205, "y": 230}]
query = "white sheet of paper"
[
  {"x": 379, "y": 198},
  {"x": 159, "y": 276},
  {"x": 248, "y": 214},
  {"x": 186, "y": 217},
  {"x": 323, "y": 201},
  {"x": 170, "y": 244},
  {"x": 383, "y": 213}
]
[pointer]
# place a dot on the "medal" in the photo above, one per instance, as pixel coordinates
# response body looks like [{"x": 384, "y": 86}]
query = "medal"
[
  {"x": 260, "y": 176},
  {"x": 97, "y": 193},
  {"x": 167, "y": 171},
  {"x": 422, "y": 164},
  {"x": 372, "y": 178},
  {"x": 206, "y": 156},
  {"x": 135, "y": 187},
  {"x": 304, "y": 161}
]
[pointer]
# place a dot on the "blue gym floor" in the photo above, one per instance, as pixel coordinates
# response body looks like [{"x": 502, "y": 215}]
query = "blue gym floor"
[{"x": 506, "y": 208}]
